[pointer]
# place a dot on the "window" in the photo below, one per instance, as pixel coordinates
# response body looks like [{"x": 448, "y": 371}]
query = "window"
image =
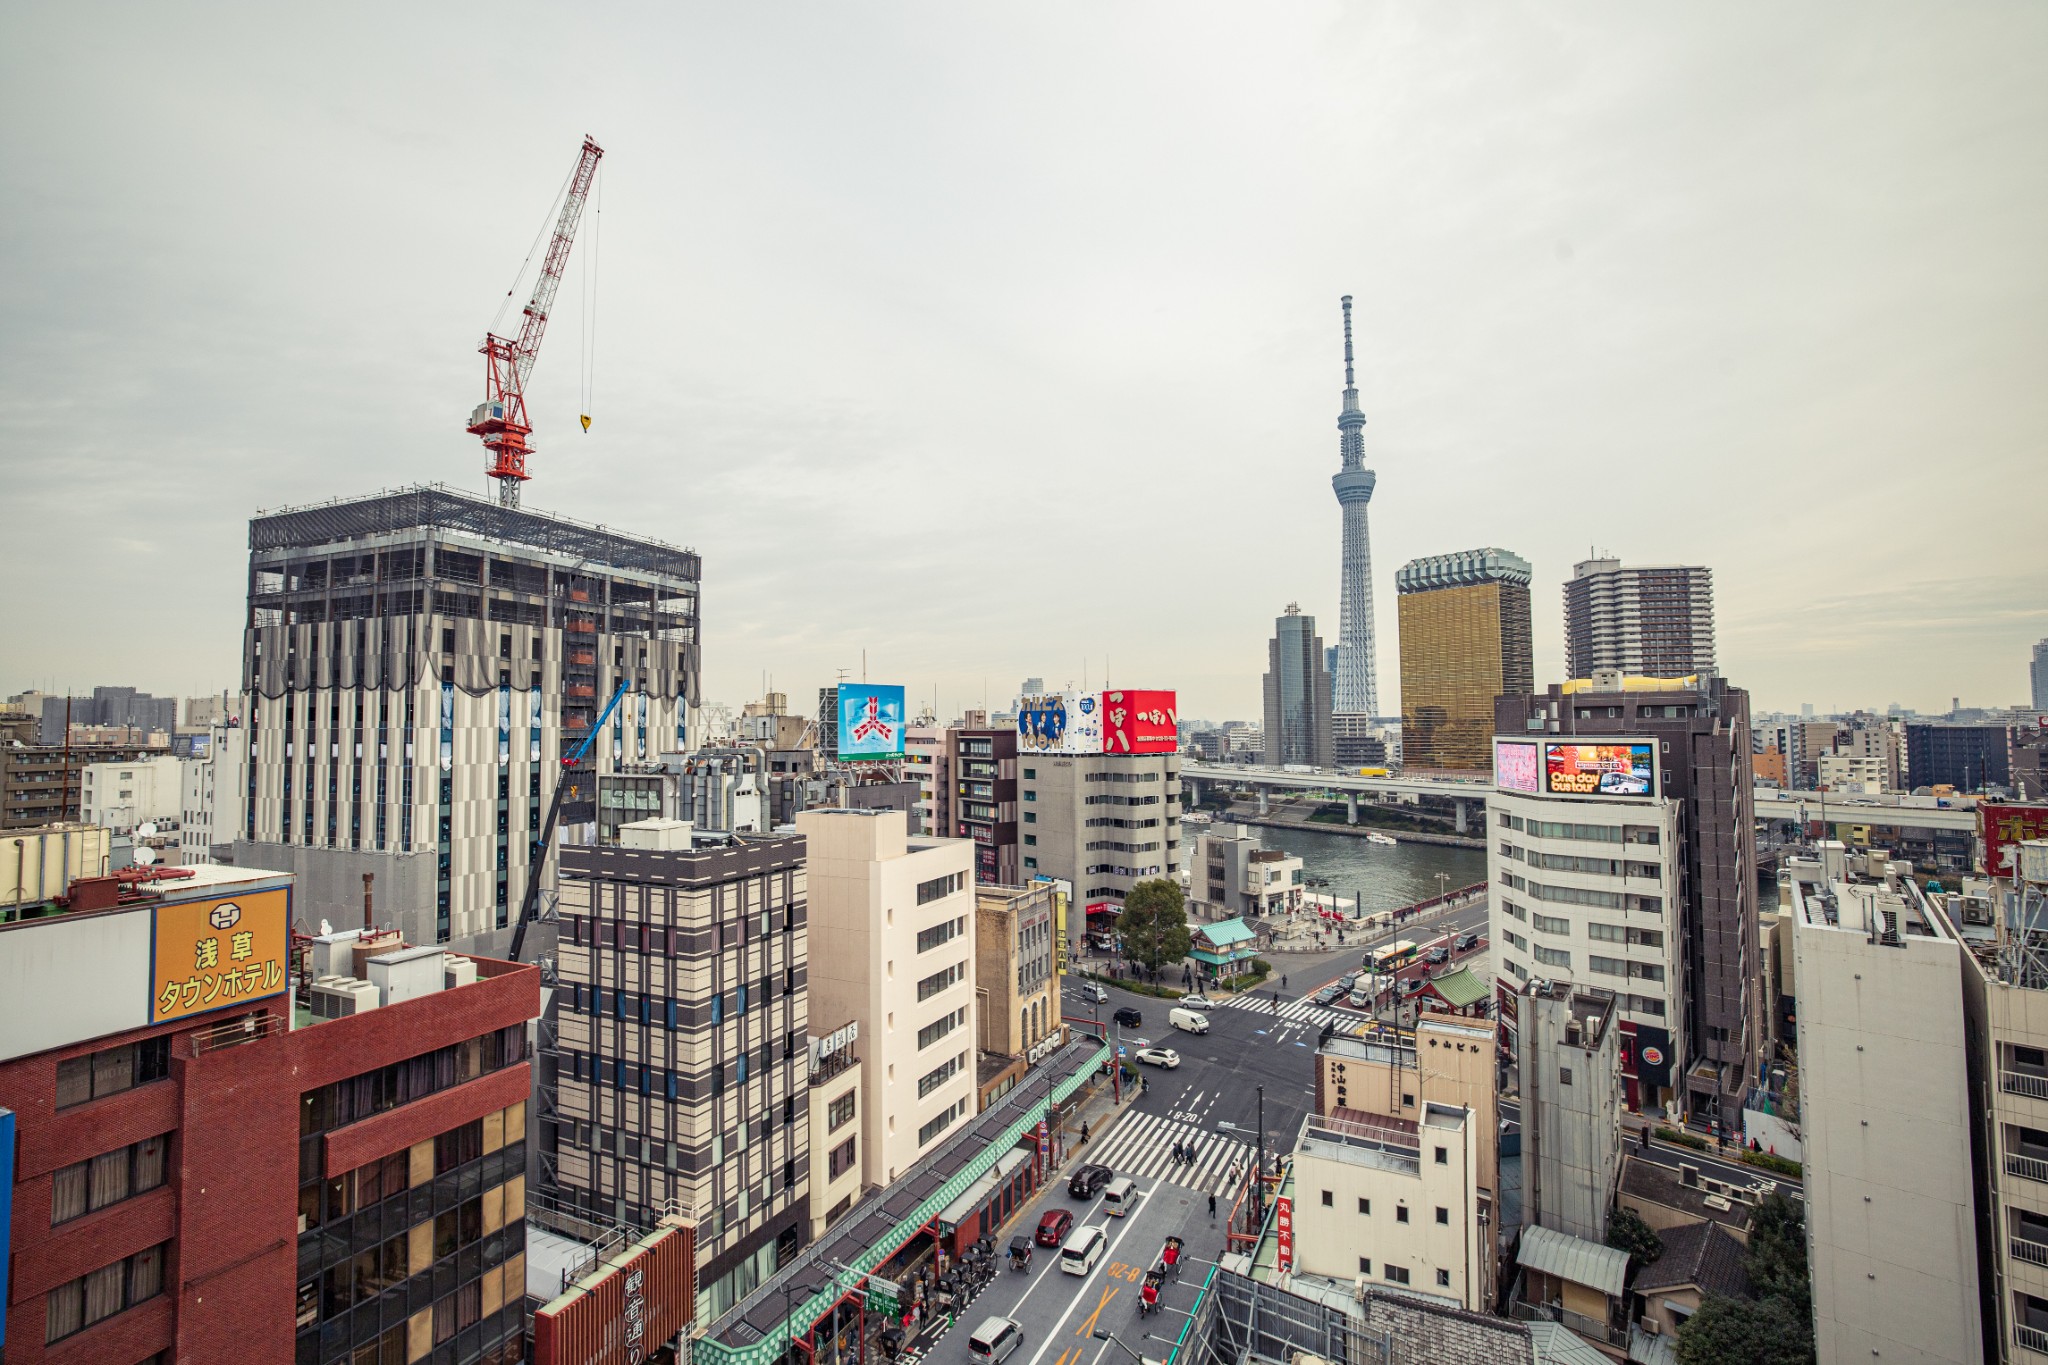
[
  {"x": 1397, "y": 1273},
  {"x": 1031, "y": 862},
  {"x": 1365, "y": 1265},
  {"x": 1564, "y": 1075},
  {"x": 1030, "y": 817},
  {"x": 109, "y": 1072},
  {"x": 840, "y": 1112},
  {"x": 1329, "y": 1199},
  {"x": 73, "y": 1307},
  {"x": 1031, "y": 840},
  {"x": 1365, "y": 1206},
  {"x": 1401, "y": 1213},
  {"x": 940, "y": 1027},
  {"x": 1606, "y": 966},
  {"x": 1607, "y": 933},
  {"x": 1031, "y": 772},
  {"x": 1443, "y": 1215},
  {"x": 1551, "y": 924},
  {"x": 1646, "y": 1004},
  {"x": 940, "y": 980},
  {"x": 1443, "y": 1278},
  {"x": 839, "y": 1160},
  {"x": 938, "y": 1125},
  {"x": 938, "y": 934},
  {"x": 1443, "y": 1156},
  {"x": 1030, "y": 796},
  {"x": 107, "y": 1179},
  {"x": 939, "y": 887},
  {"x": 1553, "y": 957},
  {"x": 938, "y": 1076}
]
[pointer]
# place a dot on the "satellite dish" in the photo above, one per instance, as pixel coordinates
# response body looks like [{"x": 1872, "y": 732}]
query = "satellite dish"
[
  {"x": 144, "y": 855},
  {"x": 146, "y": 830}
]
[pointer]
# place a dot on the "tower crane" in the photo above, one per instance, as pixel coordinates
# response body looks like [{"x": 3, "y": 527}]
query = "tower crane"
[{"x": 501, "y": 418}]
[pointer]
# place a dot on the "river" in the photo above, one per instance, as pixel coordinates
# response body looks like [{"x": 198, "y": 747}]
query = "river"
[{"x": 1386, "y": 876}]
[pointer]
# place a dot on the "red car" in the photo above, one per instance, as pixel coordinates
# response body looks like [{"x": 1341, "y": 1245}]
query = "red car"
[{"x": 1054, "y": 1227}]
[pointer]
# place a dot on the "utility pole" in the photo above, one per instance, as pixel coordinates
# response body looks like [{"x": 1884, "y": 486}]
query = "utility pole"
[{"x": 1259, "y": 1170}]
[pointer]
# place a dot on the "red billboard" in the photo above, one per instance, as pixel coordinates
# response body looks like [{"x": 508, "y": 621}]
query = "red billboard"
[
  {"x": 2004, "y": 825},
  {"x": 625, "y": 1306},
  {"x": 1140, "y": 722},
  {"x": 1283, "y": 1226}
]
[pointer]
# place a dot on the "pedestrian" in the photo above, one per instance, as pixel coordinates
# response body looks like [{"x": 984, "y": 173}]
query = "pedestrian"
[
  {"x": 1212, "y": 1206},
  {"x": 1283, "y": 981},
  {"x": 1191, "y": 1153}
]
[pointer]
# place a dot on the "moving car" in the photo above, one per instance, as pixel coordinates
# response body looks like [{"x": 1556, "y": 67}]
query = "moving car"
[
  {"x": 1188, "y": 1021},
  {"x": 994, "y": 1340},
  {"x": 1092, "y": 990},
  {"x": 1128, "y": 1017},
  {"x": 1120, "y": 1196},
  {"x": 1348, "y": 980},
  {"x": 1438, "y": 955},
  {"x": 1054, "y": 1227},
  {"x": 1083, "y": 1248},
  {"x": 1465, "y": 943},
  {"x": 1197, "y": 1002},
  {"x": 1329, "y": 995},
  {"x": 1159, "y": 1056},
  {"x": 1089, "y": 1180}
]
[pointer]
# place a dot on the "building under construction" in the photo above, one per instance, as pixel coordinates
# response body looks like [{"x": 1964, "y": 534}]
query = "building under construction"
[{"x": 416, "y": 665}]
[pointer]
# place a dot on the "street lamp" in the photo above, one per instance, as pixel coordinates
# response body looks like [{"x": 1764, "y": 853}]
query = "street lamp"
[
  {"x": 1111, "y": 1337},
  {"x": 1259, "y": 1170}
]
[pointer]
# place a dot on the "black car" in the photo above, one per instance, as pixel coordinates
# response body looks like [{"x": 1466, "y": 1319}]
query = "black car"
[
  {"x": 1466, "y": 943},
  {"x": 1437, "y": 955},
  {"x": 1129, "y": 1017},
  {"x": 1089, "y": 1180}
]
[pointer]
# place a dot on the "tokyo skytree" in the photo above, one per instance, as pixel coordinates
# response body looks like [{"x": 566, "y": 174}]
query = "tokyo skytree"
[{"x": 1355, "y": 690}]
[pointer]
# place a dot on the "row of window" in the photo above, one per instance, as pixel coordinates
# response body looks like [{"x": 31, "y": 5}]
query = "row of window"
[
  {"x": 71, "y": 1308},
  {"x": 940, "y": 1027},
  {"x": 1615, "y": 966},
  {"x": 938, "y": 1125},
  {"x": 940, "y": 1074},
  {"x": 940, "y": 887},
  {"x": 112, "y": 1070},
  {"x": 662, "y": 1083},
  {"x": 374, "y": 1092},
  {"x": 662, "y": 1011},
  {"x": 941, "y": 934},
  {"x": 941, "y": 980},
  {"x": 108, "y": 1179},
  {"x": 666, "y": 940}
]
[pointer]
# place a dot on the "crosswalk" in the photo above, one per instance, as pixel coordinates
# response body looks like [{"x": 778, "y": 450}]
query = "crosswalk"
[
  {"x": 1297, "y": 1011},
  {"x": 1141, "y": 1146}
]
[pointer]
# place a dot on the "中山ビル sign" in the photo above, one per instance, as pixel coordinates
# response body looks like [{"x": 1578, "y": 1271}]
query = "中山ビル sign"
[{"x": 209, "y": 954}]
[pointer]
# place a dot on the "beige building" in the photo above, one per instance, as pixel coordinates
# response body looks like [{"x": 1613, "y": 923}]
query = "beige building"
[
  {"x": 836, "y": 1147},
  {"x": 1884, "y": 1080},
  {"x": 1015, "y": 979},
  {"x": 1103, "y": 822},
  {"x": 2005, "y": 1006},
  {"x": 1425, "y": 1097},
  {"x": 892, "y": 925},
  {"x": 124, "y": 795}
]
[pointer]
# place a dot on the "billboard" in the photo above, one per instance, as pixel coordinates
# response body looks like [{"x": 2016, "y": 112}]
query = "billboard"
[
  {"x": 1059, "y": 723},
  {"x": 1140, "y": 723},
  {"x": 1599, "y": 769},
  {"x": 2005, "y": 825},
  {"x": 870, "y": 722},
  {"x": 209, "y": 954},
  {"x": 1515, "y": 767}
]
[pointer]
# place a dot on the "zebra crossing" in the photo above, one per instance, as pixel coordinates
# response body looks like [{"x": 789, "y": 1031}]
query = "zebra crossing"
[
  {"x": 1300, "y": 1010},
  {"x": 1141, "y": 1146}
]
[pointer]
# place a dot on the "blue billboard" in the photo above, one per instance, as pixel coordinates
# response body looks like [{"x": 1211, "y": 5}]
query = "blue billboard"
[
  {"x": 870, "y": 722},
  {"x": 6, "y": 1210}
]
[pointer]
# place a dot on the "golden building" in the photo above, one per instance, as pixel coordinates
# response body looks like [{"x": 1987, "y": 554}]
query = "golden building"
[{"x": 1464, "y": 641}]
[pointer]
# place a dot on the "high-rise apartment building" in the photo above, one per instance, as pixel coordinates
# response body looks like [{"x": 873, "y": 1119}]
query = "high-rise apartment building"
[
  {"x": 1624, "y": 855},
  {"x": 892, "y": 926},
  {"x": 1297, "y": 693},
  {"x": 415, "y": 666},
  {"x": 2037, "y": 676},
  {"x": 1100, "y": 822},
  {"x": 1966, "y": 757},
  {"x": 975, "y": 791},
  {"x": 1357, "y": 741},
  {"x": 676, "y": 1056},
  {"x": 211, "y": 1169},
  {"x": 1571, "y": 1106},
  {"x": 1464, "y": 641},
  {"x": 1653, "y": 621},
  {"x": 1356, "y": 686},
  {"x": 1884, "y": 1084},
  {"x": 42, "y": 784}
]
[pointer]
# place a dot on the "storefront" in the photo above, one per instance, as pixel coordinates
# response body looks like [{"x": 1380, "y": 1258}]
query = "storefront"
[{"x": 990, "y": 1201}]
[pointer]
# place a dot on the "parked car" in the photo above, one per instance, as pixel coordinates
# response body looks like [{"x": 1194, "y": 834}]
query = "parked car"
[
  {"x": 1197, "y": 1002},
  {"x": 1465, "y": 943},
  {"x": 1054, "y": 1227},
  {"x": 1159, "y": 1056},
  {"x": 1087, "y": 1182},
  {"x": 1128, "y": 1017},
  {"x": 1438, "y": 955}
]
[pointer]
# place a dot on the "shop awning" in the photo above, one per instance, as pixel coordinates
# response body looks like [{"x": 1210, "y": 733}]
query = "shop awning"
[{"x": 998, "y": 1175}]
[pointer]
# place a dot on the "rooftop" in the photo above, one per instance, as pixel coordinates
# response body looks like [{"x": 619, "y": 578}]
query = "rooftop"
[
  {"x": 1865, "y": 893},
  {"x": 1705, "y": 1255},
  {"x": 1462, "y": 569},
  {"x": 1571, "y": 1258}
]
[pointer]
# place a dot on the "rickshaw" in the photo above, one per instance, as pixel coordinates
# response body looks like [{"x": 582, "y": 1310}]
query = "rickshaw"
[
  {"x": 1169, "y": 1257},
  {"x": 1148, "y": 1295},
  {"x": 1020, "y": 1253}
]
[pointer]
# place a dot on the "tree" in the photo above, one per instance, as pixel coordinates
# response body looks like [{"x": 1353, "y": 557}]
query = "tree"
[
  {"x": 1154, "y": 923},
  {"x": 1626, "y": 1231},
  {"x": 1739, "y": 1332},
  {"x": 1776, "y": 1260}
]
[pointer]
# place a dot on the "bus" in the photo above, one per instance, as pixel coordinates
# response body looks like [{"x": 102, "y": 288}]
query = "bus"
[{"x": 1393, "y": 957}]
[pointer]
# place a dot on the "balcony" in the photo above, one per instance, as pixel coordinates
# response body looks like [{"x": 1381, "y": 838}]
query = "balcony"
[
  {"x": 2026, "y": 1167},
  {"x": 2023, "y": 1083},
  {"x": 2033, "y": 1253},
  {"x": 2032, "y": 1338}
]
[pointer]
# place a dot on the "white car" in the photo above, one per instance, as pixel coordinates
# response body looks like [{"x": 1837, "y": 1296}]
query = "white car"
[
  {"x": 1092, "y": 990},
  {"x": 1159, "y": 1056},
  {"x": 1197, "y": 1002}
]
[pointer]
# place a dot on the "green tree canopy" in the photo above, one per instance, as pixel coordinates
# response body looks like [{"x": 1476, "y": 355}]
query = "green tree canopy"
[
  {"x": 1626, "y": 1231},
  {"x": 1740, "y": 1332},
  {"x": 1154, "y": 923}
]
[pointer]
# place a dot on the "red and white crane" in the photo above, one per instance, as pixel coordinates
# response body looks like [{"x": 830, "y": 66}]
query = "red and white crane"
[{"x": 501, "y": 418}]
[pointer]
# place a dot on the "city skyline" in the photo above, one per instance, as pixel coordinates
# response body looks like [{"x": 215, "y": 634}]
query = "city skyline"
[{"x": 1533, "y": 315}]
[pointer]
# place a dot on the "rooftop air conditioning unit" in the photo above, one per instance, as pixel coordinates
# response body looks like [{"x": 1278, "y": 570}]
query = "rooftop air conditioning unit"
[
  {"x": 459, "y": 971},
  {"x": 340, "y": 997},
  {"x": 1718, "y": 1201}
]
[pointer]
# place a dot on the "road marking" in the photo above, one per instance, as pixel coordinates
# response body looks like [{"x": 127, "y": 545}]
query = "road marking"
[
  {"x": 1107, "y": 1251},
  {"x": 1087, "y": 1329}
]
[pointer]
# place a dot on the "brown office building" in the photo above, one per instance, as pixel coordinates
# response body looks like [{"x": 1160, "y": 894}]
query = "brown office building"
[
  {"x": 975, "y": 797},
  {"x": 1464, "y": 642}
]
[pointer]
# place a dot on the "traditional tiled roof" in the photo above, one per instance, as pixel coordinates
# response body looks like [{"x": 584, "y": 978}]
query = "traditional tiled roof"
[{"x": 1704, "y": 1255}]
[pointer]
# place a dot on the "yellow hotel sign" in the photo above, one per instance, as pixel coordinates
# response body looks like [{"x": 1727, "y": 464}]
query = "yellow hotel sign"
[{"x": 213, "y": 953}]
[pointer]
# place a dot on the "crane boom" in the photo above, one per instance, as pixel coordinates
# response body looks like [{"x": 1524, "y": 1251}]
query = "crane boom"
[
  {"x": 536, "y": 863},
  {"x": 501, "y": 418}
]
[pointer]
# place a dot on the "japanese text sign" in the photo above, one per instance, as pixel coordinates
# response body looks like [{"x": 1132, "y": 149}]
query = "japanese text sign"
[
  {"x": 1140, "y": 722},
  {"x": 1283, "y": 1228},
  {"x": 210, "y": 954}
]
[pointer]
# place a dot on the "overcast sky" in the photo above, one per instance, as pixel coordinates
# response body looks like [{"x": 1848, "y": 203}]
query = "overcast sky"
[{"x": 1003, "y": 340}]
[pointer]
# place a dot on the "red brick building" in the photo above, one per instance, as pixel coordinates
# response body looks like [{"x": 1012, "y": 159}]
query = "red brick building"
[{"x": 209, "y": 1170}]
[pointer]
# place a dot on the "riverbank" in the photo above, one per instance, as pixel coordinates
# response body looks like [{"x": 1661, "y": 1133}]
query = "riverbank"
[{"x": 1274, "y": 819}]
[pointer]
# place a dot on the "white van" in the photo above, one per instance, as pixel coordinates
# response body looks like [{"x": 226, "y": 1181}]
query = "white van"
[
  {"x": 993, "y": 1341},
  {"x": 1188, "y": 1021},
  {"x": 1082, "y": 1249},
  {"x": 1119, "y": 1195}
]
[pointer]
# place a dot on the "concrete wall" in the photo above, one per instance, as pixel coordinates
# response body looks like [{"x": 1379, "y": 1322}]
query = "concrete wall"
[{"x": 1571, "y": 1117}]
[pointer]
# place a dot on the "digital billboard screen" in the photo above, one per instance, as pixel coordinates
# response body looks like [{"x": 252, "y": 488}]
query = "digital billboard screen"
[
  {"x": 1599, "y": 770},
  {"x": 1140, "y": 722},
  {"x": 1059, "y": 723},
  {"x": 870, "y": 722},
  {"x": 1515, "y": 768}
]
